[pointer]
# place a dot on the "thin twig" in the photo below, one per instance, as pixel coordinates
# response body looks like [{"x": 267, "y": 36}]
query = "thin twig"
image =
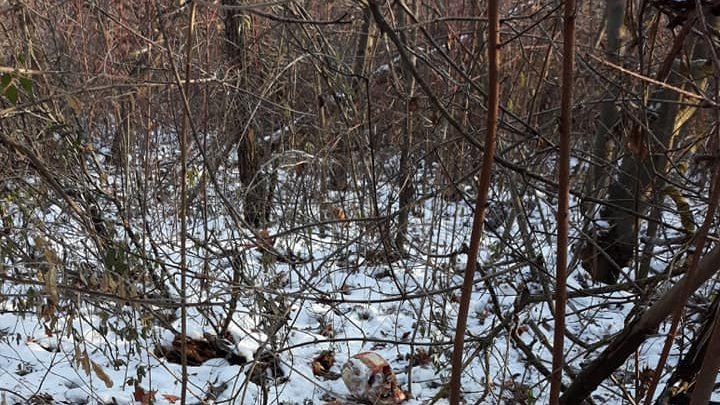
[
  {"x": 482, "y": 198},
  {"x": 563, "y": 200},
  {"x": 655, "y": 82}
]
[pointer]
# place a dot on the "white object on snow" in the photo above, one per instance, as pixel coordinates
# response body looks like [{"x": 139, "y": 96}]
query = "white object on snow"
[{"x": 370, "y": 378}]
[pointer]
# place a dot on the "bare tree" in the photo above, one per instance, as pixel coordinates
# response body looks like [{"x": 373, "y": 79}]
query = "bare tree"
[{"x": 644, "y": 163}]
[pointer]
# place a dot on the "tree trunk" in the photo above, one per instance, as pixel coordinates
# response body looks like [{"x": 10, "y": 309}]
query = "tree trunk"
[
  {"x": 406, "y": 171},
  {"x": 609, "y": 114},
  {"x": 363, "y": 50},
  {"x": 642, "y": 169},
  {"x": 248, "y": 150},
  {"x": 687, "y": 368},
  {"x": 636, "y": 332}
]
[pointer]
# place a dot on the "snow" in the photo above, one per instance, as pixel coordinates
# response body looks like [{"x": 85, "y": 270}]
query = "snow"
[{"x": 341, "y": 299}]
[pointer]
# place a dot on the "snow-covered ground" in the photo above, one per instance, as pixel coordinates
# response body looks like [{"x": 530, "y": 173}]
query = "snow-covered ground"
[{"x": 339, "y": 294}]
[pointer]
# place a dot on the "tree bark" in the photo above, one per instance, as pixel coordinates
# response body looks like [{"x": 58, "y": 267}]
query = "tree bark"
[
  {"x": 363, "y": 50},
  {"x": 493, "y": 108},
  {"x": 609, "y": 114},
  {"x": 636, "y": 332},
  {"x": 689, "y": 365},
  {"x": 563, "y": 200},
  {"x": 640, "y": 170},
  {"x": 405, "y": 179},
  {"x": 248, "y": 150},
  {"x": 711, "y": 363}
]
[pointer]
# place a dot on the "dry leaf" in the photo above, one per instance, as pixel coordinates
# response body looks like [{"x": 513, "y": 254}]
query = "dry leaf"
[
  {"x": 421, "y": 358},
  {"x": 171, "y": 398},
  {"x": 78, "y": 354},
  {"x": 264, "y": 241},
  {"x": 323, "y": 362},
  {"x": 144, "y": 397},
  {"x": 338, "y": 213},
  {"x": 346, "y": 289},
  {"x": 84, "y": 362},
  {"x": 636, "y": 143},
  {"x": 74, "y": 103},
  {"x": 101, "y": 374},
  {"x": 41, "y": 399},
  {"x": 49, "y": 277},
  {"x": 139, "y": 393},
  {"x": 327, "y": 330},
  {"x": 197, "y": 351},
  {"x": 451, "y": 39},
  {"x": 318, "y": 369}
]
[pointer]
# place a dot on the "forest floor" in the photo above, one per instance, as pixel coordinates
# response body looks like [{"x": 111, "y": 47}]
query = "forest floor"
[{"x": 324, "y": 291}]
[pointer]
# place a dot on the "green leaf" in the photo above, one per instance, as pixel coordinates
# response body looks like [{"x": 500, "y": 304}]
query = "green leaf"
[
  {"x": 5, "y": 80},
  {"x": 26, "y": 83},
  {"x": 11, "y": 94}
]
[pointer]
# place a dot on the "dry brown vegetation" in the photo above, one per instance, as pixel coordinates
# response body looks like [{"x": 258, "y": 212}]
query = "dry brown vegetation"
[{"x": 363, "y": 121}]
